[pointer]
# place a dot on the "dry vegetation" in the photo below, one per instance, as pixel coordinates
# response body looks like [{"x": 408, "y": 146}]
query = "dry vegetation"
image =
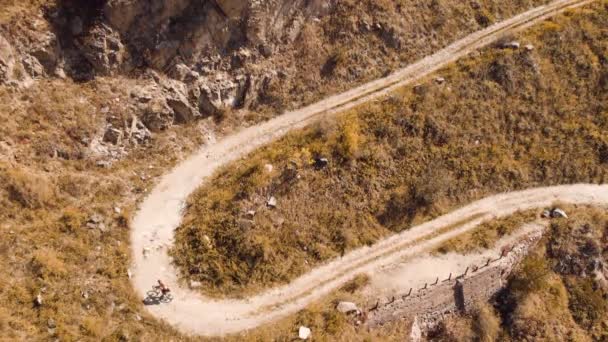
[
  {"x": 364, "y": 40},
  {"x": 486, "y": 234},
  {"x": 13, "y": 9},
  {"x": 503, "y": 120},
  {"x": 50, "y": 187},
  {"x": 385, "y": 158}
]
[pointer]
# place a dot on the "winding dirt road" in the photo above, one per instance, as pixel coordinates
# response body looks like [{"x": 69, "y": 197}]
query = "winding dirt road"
[{"x": 160, "y": 213}]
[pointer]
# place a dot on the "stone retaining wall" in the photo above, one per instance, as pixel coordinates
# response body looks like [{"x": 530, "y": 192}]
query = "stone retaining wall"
[{"x": 454, "y": 293}]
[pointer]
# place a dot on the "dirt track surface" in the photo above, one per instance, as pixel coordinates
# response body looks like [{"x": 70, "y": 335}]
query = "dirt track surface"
[{"x": 160, "y": 213}]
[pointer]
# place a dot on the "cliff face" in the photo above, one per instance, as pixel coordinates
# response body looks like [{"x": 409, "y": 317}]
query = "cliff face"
[
  {"x": 127, "y": 34},
  {"x": 191, "y": 30},
  {"x": 176, "y": 61}
]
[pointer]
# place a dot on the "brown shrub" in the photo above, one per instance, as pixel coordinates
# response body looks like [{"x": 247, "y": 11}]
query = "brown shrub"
[{"x": 30, "y": 190}]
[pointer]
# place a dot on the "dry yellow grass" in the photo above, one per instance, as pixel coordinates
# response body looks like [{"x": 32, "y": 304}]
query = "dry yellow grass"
[
  {"x": 503, "y": 120},
  {"x": 81, "y": 273},
  {"x": 19, "y": 9},
  {"x": 487, "y": 234}
]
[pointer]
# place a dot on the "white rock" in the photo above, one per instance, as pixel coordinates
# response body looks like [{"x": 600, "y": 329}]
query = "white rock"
[
  {"x": 512, "y": 45},
  {"x": 559, "y": 213},
  {"x": 304, "y": 333},
  {"x": 207, "y": 239},
  {"x": 529, "y": 47},
  {"x": 195, "y": 284},
  {"x": 440, "y": 80},
  {"x": 268, "y": 168},
  {"x": 272, "y": 202},
  {"x": 38, "y": 299},
  {"x": 347, "y": 307}
]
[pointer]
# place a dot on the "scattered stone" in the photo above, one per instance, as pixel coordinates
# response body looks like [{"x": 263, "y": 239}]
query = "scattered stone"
[
  {"x": 103, "y": 228},
  {"x": 511, "y": 45},
  {"x": 139, "y": 133},
  {"x": 440, "y": 80},
  {"x": 251, "y": 214},
  {"x": 268, "y": 168},
  {"x": 266, "y": 50},
  {"x": 304, "y": 333},
  {"x": 347, "y": 307},
  {"x": 117, "y": 210},
  {"x": 137, "y": 317},
  {"x": 129, "y": 274},
  {"x": 529, "y": 47},
  {"x": 321, "y": 163},
  {"x": 195, "y": 284},
  {"x": 104, "y": 164},
  {"x": 272, "y": 202},
  {"x": 51, "y": 323},
  {"x": 38, "y": 300},
  {"x": 113, "y": 136},
  {"x": 546, "y": 214},
  {"x": 96, "y": 221},
  {"x": 207, "y": 241},
  {"x": 558, "y": 213},
  {"x": 146, "y": 251}
]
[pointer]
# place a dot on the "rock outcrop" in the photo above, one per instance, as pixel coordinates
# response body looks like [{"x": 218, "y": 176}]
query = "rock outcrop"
[
  {"x": 164, "y": 32},
  {"x": 103, "y": 49},
  {"x": 7, "y": 61}
]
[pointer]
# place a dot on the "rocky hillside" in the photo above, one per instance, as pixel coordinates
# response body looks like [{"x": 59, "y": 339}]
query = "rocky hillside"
[
  {"x": 495, "y": 122},
  {"x": 194, "y": 59},
  {"x": 98, "y": 98}
]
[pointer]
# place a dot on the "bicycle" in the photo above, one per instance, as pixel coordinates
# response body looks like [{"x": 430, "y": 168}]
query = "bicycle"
[{"x": 157, "y": 294}]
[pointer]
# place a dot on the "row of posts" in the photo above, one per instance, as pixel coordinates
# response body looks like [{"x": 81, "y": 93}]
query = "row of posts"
[{"x": 504, "y": 252}]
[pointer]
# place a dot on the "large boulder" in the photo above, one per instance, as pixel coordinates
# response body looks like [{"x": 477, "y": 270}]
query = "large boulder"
[
  {"x": 47, "y": 51},
  {"x": 177, "y": 94},
  {"x": 158, "y": 116},
  {"x": 347, "y": 307},
  {"x": 222, "y": 93}
]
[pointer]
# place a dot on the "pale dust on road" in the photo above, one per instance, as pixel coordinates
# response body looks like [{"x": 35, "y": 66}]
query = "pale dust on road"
[{"x": 160, "y": 213}]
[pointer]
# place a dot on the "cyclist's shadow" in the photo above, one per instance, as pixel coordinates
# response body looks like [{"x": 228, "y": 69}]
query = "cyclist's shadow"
[{"x": 152, "y": 300}]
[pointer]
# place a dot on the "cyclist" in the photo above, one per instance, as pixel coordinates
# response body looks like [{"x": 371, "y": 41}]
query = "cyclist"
[{"x": 163, "y": 288}]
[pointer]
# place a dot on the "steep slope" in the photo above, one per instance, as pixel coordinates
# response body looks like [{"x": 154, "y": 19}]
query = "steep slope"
[
  {"x": 494, "y": 122},
  {"x": 80, "y": 147}
]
